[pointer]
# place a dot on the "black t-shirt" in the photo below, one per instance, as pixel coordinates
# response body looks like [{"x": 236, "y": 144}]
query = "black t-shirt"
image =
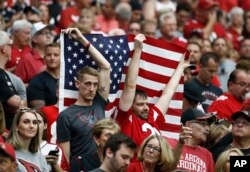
[
  {"x": 7, "y": 90},
  {"x": 43, "y": 87},
  {"x": 210, "y": 92}
]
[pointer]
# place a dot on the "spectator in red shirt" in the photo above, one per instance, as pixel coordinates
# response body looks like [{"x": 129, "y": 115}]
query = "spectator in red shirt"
[
  {"x": 71, "y": 15},
  {"x": 205, "y": 21},
  {"x": 168, "y": 28},
  {"x": 21, "y": 32},
  {"x": 106, "y": 20},
  {"x": 236, "y": 27},
  {"x": 231, "y": 101},
  {"x": 33, "y": 62}
]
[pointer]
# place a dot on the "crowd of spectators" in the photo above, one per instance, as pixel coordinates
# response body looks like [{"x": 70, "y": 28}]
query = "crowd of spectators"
[{"x": 216, "y": 100}]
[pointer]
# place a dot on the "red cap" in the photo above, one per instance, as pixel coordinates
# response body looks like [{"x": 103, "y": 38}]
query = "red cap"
[
  {"x": 206, "y": 4},
  {"x": 9, "y": 150}
]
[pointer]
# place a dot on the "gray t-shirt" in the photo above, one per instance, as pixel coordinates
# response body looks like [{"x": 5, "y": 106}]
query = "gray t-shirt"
[
  {"x": 28, "y": 161},
  {"x": 75, "y": 124},
  {"x": 18, "y": 84}
]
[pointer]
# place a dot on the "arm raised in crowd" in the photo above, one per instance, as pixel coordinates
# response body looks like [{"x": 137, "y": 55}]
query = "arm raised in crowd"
[
  {"x": 102, "y": 63},
  {"x": 169, "y": 90},
  {"x": 128, "y": 93}
]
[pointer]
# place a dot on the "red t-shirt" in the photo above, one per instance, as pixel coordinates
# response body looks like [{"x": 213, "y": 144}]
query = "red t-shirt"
[
  {"x": 194, "y": 158},
  {"x": 106, "y": 25},
  {"x": 29, "y": 66},
  {"x": 51, "y": 113},
  {"x": 137, "y": 128},
  {"x": 69, "y": 16},
  {"x": 245, "y": 4},
  {"x": 193, "y": 24},
  {"x": 225, "y": 106},
  {"x": 16, "y": 55},
  {"x": 137, "y": 166},
  {"x": 227, "y": 5},
  {"x": 235, "y": 37}
]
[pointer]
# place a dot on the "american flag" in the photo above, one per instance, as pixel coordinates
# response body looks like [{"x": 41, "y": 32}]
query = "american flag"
[{"x": 158, "y": 62}]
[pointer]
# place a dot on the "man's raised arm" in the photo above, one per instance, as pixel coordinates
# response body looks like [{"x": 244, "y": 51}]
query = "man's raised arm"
[
  {"x": 169, "y": 90},
  {"x": 128, "y": 93},
  {"x": 102, "y": 63}
]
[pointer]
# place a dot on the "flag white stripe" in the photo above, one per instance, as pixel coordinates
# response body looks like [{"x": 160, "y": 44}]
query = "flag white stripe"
[
  {"x": 61, "y": 81},
  {"x": 170, "y": 134},
  {"x": 158, "y": 69},
  {"x": 163, "y": 53}
]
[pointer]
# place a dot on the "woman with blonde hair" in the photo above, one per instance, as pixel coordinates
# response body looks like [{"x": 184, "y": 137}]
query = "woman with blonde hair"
[
  {"x": 24, "y": 137},
  {"x": 155, "y": 154},
  {"x": 223, "y": 162},
  {"x": 101, "y": 131}
]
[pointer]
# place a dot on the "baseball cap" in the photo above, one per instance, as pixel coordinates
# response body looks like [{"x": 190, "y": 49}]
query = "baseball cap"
[
  {"x": 206, "y": 4},
  {"x": 243, "y": 113},
  {"x": 38, "y": 27},
  {"x": 195, "y": 114},
  {"x": 9, "y": 150},
  {"x": 191, "y": 93}
]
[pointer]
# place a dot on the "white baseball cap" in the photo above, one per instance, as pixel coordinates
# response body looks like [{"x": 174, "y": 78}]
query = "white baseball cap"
[{"x": 39, "y": 26}]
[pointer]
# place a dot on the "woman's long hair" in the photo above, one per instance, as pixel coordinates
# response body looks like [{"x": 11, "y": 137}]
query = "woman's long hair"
[{"x": 14, "y": 137}]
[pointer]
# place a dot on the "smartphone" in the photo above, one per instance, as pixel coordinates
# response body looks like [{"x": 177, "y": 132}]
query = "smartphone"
[{"x": 54, "y": 152}]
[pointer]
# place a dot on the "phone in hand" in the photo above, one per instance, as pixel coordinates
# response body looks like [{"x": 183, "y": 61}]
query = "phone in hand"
[{"x": 54, "y": 152}]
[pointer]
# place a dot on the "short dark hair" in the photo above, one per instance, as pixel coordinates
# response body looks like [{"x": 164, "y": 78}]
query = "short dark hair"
[
  {"x": 206, "y": 56},
  {"x": 233, "y": 75},
  {"x": 116, "y": 140},
  {"x": 141, "y": 93},
  {"x": 183, "y": 6},
  {"x": 53, "y": 44}
]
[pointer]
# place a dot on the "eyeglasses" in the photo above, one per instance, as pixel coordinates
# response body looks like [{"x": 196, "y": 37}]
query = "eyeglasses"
[
  {"x": 201, "y": 122},
  {"x": 242, "y": 84},
  {"x": 243, "y": 123},
  {"x": 155, "y": 149}
]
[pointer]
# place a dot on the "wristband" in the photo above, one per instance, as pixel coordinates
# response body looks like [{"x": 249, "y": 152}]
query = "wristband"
[{"x": 87, "y": 46}]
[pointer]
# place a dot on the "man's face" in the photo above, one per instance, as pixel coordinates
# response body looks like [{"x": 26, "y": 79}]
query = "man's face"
[
  {"x": 43, "y": 38},
  {"x": 169, "y": 27},
  {"x": 245, "y": 49},
  {"x": 220, "y": 47},
  {"x": 87, "y": 87},
  {"x": 7, "y": 164},
  {"x": 52, "y": 58},
  {"x": 182, "y": 17},
  {"x": 200, "y": 130},
  {"x": 149, "y": 30},
  {"x": 195, "y": 53},
  {"x": 23, "y": 36},
  {"x": 134, "y": 28},
  {"x": 107, "y": 9},
  {"x": 241, "y": 86},
  {"x": 121, "y": 159},
  {"x": 140, "y": 107},
  {"x": 207, "y": 73},
  {"x": 241, "y": 128}
]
